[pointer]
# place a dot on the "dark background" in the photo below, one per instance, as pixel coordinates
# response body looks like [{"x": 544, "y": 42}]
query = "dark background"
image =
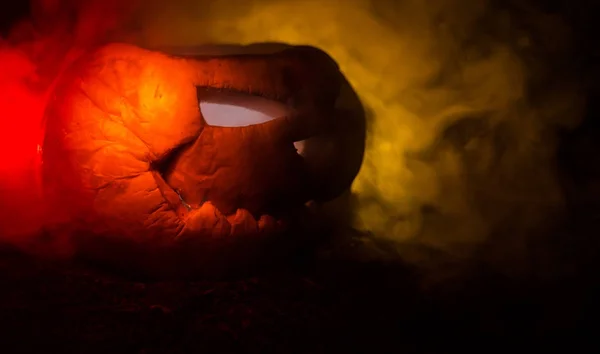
[{"x": 327, "y": 306}]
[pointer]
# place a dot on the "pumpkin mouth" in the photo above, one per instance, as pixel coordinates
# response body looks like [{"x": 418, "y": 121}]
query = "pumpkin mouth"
[{"x": 224, "y": 222}]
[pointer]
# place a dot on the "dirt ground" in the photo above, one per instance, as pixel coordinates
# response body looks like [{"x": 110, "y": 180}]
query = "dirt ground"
[{"x": 316, "y": 307}]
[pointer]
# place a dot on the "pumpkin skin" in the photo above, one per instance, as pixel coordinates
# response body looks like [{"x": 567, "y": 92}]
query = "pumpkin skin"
[{"x": 128, "y": 158}]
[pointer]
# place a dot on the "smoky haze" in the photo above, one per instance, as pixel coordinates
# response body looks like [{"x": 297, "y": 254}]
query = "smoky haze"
[{"x": 465, "y": 98}]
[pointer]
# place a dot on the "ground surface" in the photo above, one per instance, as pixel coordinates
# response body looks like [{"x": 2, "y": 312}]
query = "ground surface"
[{"x": 320, "y": 307}]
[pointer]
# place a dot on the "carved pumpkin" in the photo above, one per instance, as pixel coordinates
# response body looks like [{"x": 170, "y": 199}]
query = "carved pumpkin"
[{"x": 138, "y": 153}]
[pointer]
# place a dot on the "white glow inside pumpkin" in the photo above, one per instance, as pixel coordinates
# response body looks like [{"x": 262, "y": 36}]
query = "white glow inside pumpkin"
[
  {"x": 239, "y": 110},
  {"x": 299, "y": 145}
]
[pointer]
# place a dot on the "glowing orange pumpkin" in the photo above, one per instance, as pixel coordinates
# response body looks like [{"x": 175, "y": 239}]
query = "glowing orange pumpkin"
[{"x": 159, "y": 150}]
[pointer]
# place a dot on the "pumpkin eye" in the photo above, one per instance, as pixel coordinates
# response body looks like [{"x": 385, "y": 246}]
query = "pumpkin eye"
[{"x": 239, "y": 110}]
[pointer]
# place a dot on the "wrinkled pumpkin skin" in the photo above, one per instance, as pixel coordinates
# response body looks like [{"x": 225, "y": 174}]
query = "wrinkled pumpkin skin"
[{"x": 121, "y": 111}]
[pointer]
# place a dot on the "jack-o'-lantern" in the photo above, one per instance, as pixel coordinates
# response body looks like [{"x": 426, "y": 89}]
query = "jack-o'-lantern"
[{"x": 149, "y": 150}]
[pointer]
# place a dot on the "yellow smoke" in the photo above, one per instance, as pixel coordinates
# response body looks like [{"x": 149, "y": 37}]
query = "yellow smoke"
[{"x": 460, "y": 146}]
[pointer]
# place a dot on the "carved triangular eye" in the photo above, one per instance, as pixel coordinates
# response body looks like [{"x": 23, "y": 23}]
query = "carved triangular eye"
[{"x": 230, "y": 109}]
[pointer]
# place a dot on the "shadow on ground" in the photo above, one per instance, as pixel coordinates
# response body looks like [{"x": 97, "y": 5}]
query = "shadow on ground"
[{"x": 315, "y": 307}]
